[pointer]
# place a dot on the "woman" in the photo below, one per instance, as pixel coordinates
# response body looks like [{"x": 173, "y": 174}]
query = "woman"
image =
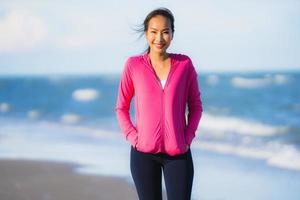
[{"x": 163, "y": 85}]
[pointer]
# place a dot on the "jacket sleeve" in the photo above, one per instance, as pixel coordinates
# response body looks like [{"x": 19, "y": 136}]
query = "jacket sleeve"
[
  {"x": 194, "y": 107},
  {"x": 125, "y": 94}
]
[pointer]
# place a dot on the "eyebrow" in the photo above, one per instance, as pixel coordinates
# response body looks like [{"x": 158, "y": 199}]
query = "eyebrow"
[{"x": 157, "y": 29}]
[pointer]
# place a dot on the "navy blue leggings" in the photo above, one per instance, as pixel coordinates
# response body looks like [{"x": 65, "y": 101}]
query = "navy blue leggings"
[{"x": 146, "y": 170}]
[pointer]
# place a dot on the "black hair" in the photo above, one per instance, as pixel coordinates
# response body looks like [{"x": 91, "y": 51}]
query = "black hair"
[{"x": 142, "y": 28}]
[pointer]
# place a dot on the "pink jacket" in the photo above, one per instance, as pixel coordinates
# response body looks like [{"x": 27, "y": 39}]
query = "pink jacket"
[{"x": 160, "y": 113}]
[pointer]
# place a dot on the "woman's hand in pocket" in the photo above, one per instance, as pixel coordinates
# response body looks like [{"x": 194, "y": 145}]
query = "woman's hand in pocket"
[{"x": 187, "y": 148}]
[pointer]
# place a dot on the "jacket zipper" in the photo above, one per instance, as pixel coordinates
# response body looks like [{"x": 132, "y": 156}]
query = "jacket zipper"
[
  {"x": 162, "y": 103},
  {"x": 163, "y": 115},
  {"x": 162, "y": 97}
]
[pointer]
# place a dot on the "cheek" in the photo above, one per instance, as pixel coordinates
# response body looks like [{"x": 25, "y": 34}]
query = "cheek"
[
  {"x": 168, "y": 38},
  {"x": 150, "y": 38}
]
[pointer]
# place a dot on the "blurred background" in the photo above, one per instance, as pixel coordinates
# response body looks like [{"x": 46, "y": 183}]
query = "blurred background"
[{"x": 60, "y": 65}]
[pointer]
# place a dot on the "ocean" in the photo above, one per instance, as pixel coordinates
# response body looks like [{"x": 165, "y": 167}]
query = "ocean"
[{"x": 249, "y": 119}]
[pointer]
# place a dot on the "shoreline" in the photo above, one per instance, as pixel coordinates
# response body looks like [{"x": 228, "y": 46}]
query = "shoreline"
[
  {"x": 35, "y": 180},
  {"x": 46, "y": 179}
]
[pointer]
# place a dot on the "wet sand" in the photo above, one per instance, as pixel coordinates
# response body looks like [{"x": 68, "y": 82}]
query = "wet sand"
[{"x": 43, "y": 180}]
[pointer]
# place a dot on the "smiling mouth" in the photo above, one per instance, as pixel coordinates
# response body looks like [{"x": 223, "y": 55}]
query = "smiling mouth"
[{"x": 159, "y": 45}]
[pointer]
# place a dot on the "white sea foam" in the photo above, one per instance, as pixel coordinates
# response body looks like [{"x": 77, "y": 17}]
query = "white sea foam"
[
  {"x": 34, "y": 114},
  {"x": 287, "y": 157},
  {"x": 4, "y": 107},
  {"x": 280, "y": 79},
  {"x": 87, "y": 94},
  {"x": 280, "y": 155},
  {"x": 232, "y": 149},
  {"x": 223, "y": 125},
  {"x": 242, "y": 82},
  {"x": 212, "y": 79},
  {"x": 70, "y": 118}
]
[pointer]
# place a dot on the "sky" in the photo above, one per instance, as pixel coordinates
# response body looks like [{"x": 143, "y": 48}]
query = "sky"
[{"x": 94, "y": 37}]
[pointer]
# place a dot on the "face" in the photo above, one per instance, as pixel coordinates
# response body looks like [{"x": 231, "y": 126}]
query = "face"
[{"x": 159, "y": 34}]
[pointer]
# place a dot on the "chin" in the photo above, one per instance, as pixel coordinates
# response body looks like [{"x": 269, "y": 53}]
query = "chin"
[{"x": 159, "y": 50}]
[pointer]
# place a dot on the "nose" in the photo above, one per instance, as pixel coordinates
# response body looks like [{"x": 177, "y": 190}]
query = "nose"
[{"x": 159, "y": 37}]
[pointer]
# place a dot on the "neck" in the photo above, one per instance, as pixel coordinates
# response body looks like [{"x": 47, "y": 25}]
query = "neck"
[{"x": 158, "y": 56}]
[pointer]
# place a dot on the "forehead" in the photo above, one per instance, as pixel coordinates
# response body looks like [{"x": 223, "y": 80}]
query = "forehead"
[{"x": 159, "y": 22}]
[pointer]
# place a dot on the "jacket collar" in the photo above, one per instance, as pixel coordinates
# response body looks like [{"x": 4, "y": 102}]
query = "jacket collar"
[{"x": 147, "y": 61}]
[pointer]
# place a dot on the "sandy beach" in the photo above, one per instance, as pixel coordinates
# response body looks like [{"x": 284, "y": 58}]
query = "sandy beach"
[{"x": 37, "y": 180}]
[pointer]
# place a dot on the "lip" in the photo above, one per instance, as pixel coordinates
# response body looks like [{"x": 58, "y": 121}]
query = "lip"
[{"x": 159, "y": 45}]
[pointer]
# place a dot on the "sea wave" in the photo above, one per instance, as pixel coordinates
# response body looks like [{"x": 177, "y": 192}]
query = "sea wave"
[
  {"x": 70, "y": 118},
  {"x": 212, "y": 79},
  {"x": 243, "y": 82},
  {"x": 275, "y": 154},
  {"x": 225, "y": 124},
  {"x": 34, "y": 114},
  {"x": 84, "y": 144},
  {"x": 86, "y": 94},
  {"x": 5, "y": 107}
]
